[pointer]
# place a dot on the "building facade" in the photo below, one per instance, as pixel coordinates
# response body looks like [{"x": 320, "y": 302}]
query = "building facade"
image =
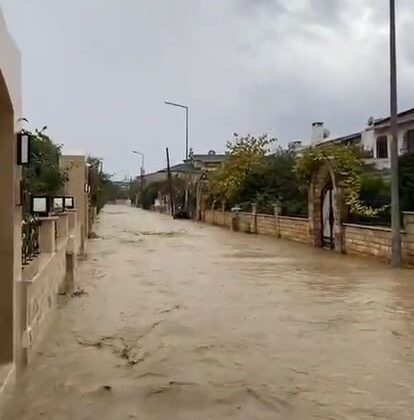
[{"x": 374, "y": 140}]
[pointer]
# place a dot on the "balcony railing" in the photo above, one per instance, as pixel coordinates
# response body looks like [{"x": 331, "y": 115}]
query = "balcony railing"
[{"x": 30, "y": 239}]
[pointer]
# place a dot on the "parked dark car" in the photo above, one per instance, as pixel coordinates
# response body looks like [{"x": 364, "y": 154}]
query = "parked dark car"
[{"x": 181, "y": 213}]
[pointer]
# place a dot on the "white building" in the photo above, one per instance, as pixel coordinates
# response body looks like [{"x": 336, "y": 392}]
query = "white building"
[{"x": 374, "y": 139}]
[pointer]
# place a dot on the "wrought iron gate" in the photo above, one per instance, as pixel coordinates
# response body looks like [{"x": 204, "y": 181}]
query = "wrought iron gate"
[{"x": 328, "y": 218}]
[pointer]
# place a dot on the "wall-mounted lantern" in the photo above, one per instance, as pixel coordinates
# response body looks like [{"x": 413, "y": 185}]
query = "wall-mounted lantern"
[
  {"x": 24, "y": 149},
  {"x": 58, "y": 204},
  {"x": 39, "y": 205},
  {"x": 87, "y": 188},
  {"x": 69, "y": 203}
]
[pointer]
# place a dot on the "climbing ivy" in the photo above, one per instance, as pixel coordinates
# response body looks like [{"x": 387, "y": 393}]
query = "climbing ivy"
[{"x": 347, "y": 166}]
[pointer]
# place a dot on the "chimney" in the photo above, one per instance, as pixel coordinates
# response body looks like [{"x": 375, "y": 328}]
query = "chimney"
[{"x": 318, "y": 131}]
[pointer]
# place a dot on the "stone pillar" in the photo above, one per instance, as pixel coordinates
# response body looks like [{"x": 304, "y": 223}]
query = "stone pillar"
[
  {"x": 69, "y": 283},
  {"x": 253, "y": 223},
  {"x": 339, "y": 212},
  {"x": 62, "y": 225},
  {"x": 25, "y": 333},
  {"x": 73, "y": 218},
  {"x": 235, "y": 221},
  {"x": 76, "y": 169},
  {"x": 47, "y": 240},
  {"x": 314, "y": 212},
  {"x": 93, "y": 212},
  {"x": 276, "y": 210},
  {"x": 408, "y": 219}
]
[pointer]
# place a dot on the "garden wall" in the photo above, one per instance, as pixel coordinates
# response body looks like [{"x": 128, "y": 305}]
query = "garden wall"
[
  {"x": 373, "y": 241},
  {"x": 293, "y": 228}
]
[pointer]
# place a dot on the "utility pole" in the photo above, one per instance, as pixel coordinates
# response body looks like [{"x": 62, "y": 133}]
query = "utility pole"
[
  {"x": 142, "y": 173},
  {"x": 170, "y": 185},
  {"x": 396, "y": 258},
  {"x": 186, "y": 133}
]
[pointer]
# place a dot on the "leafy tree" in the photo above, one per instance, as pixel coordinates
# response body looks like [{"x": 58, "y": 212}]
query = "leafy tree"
[
  {"x": 276, "y": 182},
  {"x": 375, "y": 189},
  {"x": 43, "y": 175},
  {"x": 245, "y": 155},
  {"x": 103, "y": 189}
]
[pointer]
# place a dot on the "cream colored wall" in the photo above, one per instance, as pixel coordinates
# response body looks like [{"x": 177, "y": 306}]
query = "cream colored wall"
[
  {"x": 45, "y": 278},
  {"x": 10, "y": 65},
  {"x": 75, "y": 165},
  {"x": 41, "y": 294},
  {"x": 10, "y": 214}
]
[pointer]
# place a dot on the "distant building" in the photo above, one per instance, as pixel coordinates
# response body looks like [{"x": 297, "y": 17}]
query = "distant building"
[
  {"x": 194, "y": 167},
  {"x": 207, "y": 162},
  {"x": 177, "y": 170},
  {"x": 294, "y": 145}
]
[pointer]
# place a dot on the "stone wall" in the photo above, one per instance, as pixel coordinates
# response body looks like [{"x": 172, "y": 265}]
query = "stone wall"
[
  {"x": 375, "y": 241},
  {"x": 367, "y": 240},
  {"x": 293, "y": 228},
  {"x": 371, "y": 241}
]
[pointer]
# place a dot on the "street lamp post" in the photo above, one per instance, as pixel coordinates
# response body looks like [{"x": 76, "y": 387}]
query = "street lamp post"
[
  {"x": 185, "y": 107},
  {"x": 186, "y": 124},
  {"x": 142, "y": 171},
  {"x": 396, "y": 258}
]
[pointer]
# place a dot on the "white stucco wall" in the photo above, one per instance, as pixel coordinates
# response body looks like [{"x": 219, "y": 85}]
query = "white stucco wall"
[
  {"x": 369, "y": 142},
  {"x": 10, "y": 214},
  {"x": 10, "y": 65}
]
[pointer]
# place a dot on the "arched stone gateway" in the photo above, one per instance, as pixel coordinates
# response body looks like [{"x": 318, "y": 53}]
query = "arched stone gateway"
[{"x": 326, "y": 208}]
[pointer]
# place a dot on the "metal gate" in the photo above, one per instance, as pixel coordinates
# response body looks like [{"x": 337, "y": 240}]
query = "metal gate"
[{"x": 328, "y": 218}]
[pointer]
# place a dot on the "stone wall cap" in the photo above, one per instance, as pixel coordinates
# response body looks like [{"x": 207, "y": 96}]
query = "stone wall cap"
[
  {"x": 48, "y": 218},
  {"x": 302, "y": 219},
  {"x": 379, "y": 228}
]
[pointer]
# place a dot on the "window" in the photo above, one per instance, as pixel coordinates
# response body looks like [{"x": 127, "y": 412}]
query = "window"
[
  {"x": 382, "y": 147},
  {"x": 409, "y": 141}
]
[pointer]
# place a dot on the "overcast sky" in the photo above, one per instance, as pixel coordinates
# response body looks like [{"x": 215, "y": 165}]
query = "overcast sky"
[{"x": 96, "y": 72}]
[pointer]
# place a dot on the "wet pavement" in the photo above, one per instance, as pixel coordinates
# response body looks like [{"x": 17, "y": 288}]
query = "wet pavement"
[{"x": 182, "y": 321}]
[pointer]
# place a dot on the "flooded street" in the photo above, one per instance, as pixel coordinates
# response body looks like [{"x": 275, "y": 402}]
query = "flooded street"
[{"x": 184, "y": 321}]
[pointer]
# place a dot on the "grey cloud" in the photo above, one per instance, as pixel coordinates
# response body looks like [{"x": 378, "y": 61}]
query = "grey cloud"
[
  {"x": 260, "y": 6},
  {"x": 241, "y": 65}
]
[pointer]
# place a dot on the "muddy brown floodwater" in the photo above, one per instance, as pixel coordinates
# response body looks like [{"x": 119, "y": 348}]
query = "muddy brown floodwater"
[{"x": 182, "y": 321}]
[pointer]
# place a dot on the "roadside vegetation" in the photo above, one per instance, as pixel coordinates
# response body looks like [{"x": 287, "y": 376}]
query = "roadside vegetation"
[
  {"x": 258, "y": 171},
  {"x": 44, "y": 175}
]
